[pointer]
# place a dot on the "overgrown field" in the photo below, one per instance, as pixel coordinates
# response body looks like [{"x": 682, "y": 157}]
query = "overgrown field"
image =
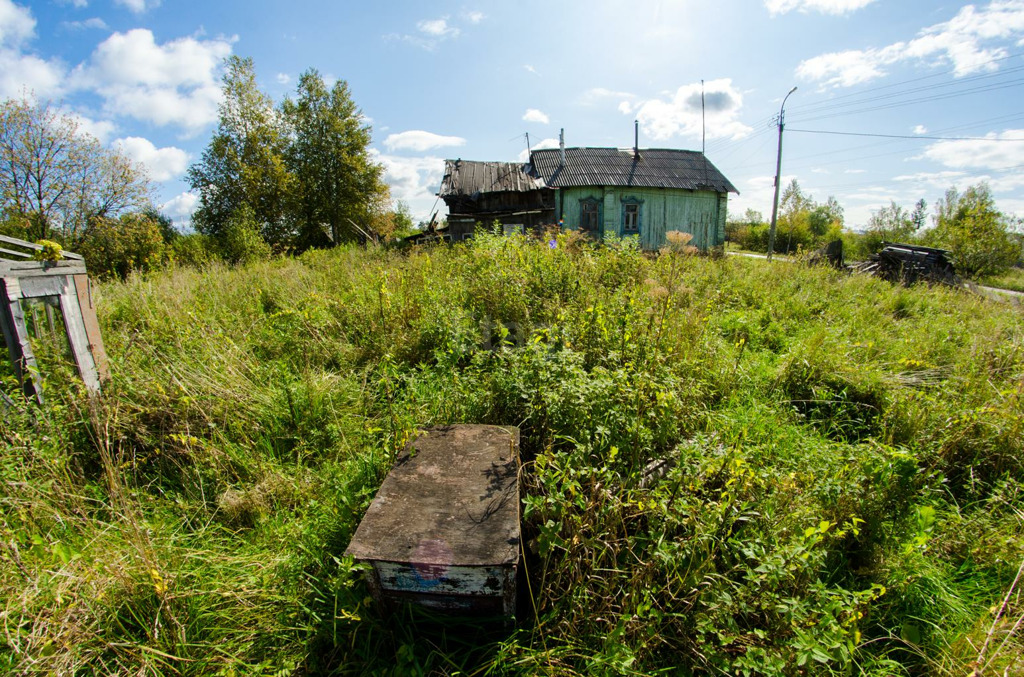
[{"x": 730, "y": 467}]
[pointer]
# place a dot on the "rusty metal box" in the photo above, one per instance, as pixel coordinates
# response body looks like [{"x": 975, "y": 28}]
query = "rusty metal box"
[{"x": 443, "y": 530}]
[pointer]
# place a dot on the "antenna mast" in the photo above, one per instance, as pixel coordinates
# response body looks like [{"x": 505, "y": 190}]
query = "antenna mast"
[{"x": 703, "y": 134}]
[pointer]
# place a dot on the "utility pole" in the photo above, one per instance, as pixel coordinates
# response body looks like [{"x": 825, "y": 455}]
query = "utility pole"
[{"x": 778, "y": 177}]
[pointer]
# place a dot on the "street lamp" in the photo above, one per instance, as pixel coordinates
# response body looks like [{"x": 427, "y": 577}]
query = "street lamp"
[{"x": 778, "y": 177}]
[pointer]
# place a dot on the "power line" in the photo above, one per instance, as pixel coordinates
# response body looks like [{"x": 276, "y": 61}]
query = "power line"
[
  {"x": 834, "y": 103},
  {"x": 904, "y": 136},
  {"x": 923, "y": 99},
  {"x": 814, "y": 107}
]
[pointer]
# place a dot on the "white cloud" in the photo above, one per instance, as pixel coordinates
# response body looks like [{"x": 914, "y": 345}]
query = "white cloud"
[
  {"x": 180, "y": 208},
  {"x": 77, "y": 4},
  {"x": 174, "y": 83},
  {"x": 93, "y": 23},
  {"x": 437, "y": 28},
  {"x": 822, "y": 6},
  {"x": 680, "y": 115},
  {"x": 411, "y": 178},
  {"x": 17, "y": 25},
  {"x": 24, "y": 73},
  {"x": 534, "y": 115},
  {"x": 138, "y": 6},
  {"x": 920, "y": 129},
  {"x": 958, "y": 41},
  {"x": 939, "y": 180},
  {"x": 432, "y": 32},
  {"x": 542, "y": 144},
  {"x": 283, "y": 78},
  {"x": 101, "y": 130},
  {"x": 419, "y": 140},
  {"x": 163, "y": 164},
  {"x": 993, "y": 153},
  {"x": 625, "y": 107},
  {"x": 530, "y": 69},
  {"x": 474, "y": 17},
  {"x": 855, "y": 171},
  {"x": 852, "y": 67}
]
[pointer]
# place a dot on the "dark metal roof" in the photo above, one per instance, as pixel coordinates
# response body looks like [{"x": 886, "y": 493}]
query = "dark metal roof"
[
  {"x": 656, "y": 168},
  {"x": 466, "y": 177}
]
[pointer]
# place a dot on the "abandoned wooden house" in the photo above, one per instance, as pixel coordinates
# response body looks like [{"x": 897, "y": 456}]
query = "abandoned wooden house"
[
  {"x": 485, "y": 192},
  {"x": 634, "y": 191},
  {"x": 601, "y": 191}
]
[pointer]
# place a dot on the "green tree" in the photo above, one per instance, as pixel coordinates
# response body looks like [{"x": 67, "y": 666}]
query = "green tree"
[
  {"x": 976, "y": 233},
  {"x": 920, "y": 214},
  {"x": 337, "y": 183},
  {"x": 56, "y": 180},
  {"x": 401, "y": 218},
  {"x": 893, "y": 223},
  {"x": 244, "y": 163},
  {"x": 826, "y": 219}
]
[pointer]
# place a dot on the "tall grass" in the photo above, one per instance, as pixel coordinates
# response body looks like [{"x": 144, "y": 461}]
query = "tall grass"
[{"x": 729, "y": 468}]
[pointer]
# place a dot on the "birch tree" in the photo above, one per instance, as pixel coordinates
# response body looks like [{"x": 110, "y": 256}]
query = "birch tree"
[{"x": 55, "y": 179}]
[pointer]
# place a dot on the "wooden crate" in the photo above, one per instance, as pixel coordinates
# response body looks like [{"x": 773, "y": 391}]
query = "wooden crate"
[{"x": 443, "y": 530}]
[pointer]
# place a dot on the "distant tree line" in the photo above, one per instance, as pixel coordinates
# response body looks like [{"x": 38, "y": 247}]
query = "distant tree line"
[
  {"x": 273, "y": 179},
  {"x": 982, "y": 240}
]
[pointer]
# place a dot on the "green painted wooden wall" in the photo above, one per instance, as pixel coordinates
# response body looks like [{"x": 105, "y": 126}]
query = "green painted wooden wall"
[{"x": 700, "y": 213}]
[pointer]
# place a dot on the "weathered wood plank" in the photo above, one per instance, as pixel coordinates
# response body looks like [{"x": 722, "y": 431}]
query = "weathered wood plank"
[
  {"x": 35, "y": 287},
  {"x": 83, "y": 288},
  {"x": 12, "y": 322},
  {"x": 36, "y": 247},
  {"x": 79, "y": 340},
  {"x": 40, "y": 268},
  {"x": 11, "y": 252}
]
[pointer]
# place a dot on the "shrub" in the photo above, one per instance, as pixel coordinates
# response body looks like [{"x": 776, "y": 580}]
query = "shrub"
[
  {"x": 117, "y": 247},
  {"x": 195, "y": 249},
  {"x": 241, "y": 241}
]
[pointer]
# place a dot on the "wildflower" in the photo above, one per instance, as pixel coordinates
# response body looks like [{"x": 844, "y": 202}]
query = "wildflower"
[{"x": 553, "y": 243}]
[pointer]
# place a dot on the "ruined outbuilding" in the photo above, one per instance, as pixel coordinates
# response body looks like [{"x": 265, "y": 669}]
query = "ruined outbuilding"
[
  {"x": 489, "y": 192},
  {"x": 59, "y": 285},
  {"x": 907, "y": 263}
]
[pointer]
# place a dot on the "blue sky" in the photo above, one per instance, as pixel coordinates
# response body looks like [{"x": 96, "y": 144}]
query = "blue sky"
[{"x": 454, "y": 79}]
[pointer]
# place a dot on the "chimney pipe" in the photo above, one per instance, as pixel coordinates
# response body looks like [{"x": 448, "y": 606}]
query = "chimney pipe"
[
  {"x": 561, "y": 147},
  {"x": 636, "y": 139}
]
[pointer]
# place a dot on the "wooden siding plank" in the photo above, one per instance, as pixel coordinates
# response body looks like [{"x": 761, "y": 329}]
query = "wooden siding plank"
[
  {"x": 35, "y": 247},
  {"x": 83, "y": 289},
  {"x": 40, "y": 268},
  {"x": 35, "y": 287},
  {"x": 699, "y": 213},
  {"x": 79, "y": 340}
]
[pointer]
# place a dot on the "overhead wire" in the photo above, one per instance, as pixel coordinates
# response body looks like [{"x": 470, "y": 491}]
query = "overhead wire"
[{"x": 842, "y": 100}]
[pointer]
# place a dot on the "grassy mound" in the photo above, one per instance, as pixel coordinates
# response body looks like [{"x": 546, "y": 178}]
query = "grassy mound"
[{"x": 730, "y": 468}]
